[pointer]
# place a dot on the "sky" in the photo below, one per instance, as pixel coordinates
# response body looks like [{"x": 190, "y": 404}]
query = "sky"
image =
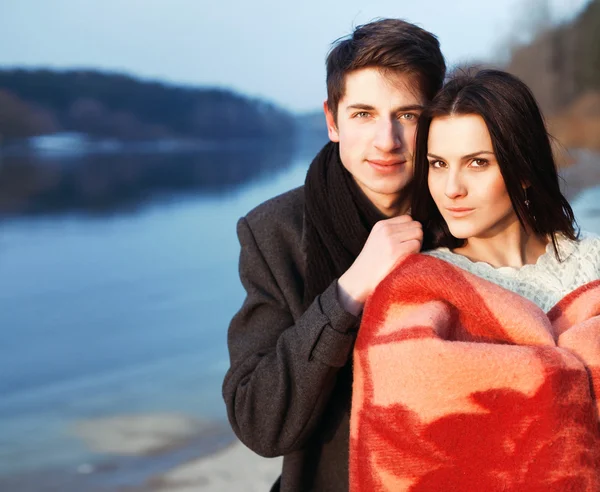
[{"x": 271, "y": 49}]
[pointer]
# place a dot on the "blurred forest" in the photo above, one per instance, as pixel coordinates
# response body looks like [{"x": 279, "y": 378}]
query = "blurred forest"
[
  {"x": 37, "y": 102},
  {"x": 561, "y": 64}
]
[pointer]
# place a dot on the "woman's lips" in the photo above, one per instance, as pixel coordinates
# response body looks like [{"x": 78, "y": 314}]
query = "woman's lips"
[{"x": 459, "y": 211}]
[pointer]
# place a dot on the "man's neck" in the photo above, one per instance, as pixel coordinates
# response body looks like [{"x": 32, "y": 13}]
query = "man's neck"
[
  {"x": 395, "y": 209},
  {"x": 390, "y": 205}
]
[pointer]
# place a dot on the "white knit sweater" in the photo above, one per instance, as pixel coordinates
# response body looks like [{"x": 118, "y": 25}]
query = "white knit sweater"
[{"x": 548, "y": 280}]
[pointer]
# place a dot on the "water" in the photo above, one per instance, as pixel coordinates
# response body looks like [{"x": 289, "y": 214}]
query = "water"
[
  {"x": 120, "y": 305},
  {"x": 118, "y": 312}
]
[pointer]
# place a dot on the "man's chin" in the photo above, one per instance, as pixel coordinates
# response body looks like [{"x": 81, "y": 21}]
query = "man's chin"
[
  {"x": 391, "y": 186},
  {"x": 376, "y": 189}
]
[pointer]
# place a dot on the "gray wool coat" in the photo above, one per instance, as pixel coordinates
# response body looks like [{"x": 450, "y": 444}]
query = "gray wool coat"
[{"x": 288, "y": 388}]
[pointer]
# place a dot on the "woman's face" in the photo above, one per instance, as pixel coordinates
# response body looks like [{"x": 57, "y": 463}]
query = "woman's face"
[{"x": 464, "y": 178}]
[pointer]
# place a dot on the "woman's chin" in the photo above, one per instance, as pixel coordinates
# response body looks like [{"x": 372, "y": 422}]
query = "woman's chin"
[{"x": 461, "y": 232}]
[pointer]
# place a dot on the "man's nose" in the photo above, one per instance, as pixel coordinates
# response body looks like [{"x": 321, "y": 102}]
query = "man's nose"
[{"x": 388, "y": 136}]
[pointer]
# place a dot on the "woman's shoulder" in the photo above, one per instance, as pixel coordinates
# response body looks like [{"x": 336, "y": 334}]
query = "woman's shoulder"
[
  {"x": 588, "y": 238},
  {"x": 587, "y": 248},
  {"x": 582, "y": 253}
]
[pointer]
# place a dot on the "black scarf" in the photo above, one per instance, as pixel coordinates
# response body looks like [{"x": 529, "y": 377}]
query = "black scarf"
[{"x": 338, "y": 220}]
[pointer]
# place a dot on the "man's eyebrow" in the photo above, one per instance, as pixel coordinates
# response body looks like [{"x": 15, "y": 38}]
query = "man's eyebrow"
[
  {"x": 400, "y": 109},
  {"x": 468, "y": 156},
  {"x": 410, "y": 107},
  {"x": 364, "y": 107}
]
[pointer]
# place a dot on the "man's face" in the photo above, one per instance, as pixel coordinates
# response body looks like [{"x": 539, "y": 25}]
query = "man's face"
[{"x": 376, "y": 124}]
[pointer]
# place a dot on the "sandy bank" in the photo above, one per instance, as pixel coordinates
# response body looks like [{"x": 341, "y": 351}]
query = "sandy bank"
[{"x": 232, "y": 469}]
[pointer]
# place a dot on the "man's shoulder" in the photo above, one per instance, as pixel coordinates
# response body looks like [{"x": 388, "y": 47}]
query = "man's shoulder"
[
  {"x": 277, "y": 228},
  {"x": 285, "y": 208}
]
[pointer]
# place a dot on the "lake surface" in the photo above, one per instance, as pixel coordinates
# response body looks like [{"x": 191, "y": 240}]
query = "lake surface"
[{"x": 121, "y": 306}]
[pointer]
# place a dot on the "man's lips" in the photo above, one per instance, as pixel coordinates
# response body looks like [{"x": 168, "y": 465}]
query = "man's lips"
[
  {"x": 386, "y": 165},
  {"x": 391, "y": 162}
]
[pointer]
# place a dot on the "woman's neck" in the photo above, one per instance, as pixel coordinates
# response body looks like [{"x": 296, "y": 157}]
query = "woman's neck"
[{"x": 512, "y": 247}]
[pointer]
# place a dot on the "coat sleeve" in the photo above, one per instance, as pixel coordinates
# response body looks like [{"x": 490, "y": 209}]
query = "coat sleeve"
[{"x": 281, "y": 373}]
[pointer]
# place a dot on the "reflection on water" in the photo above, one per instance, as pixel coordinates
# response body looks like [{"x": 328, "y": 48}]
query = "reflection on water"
[{"x": 31, "y": 184}]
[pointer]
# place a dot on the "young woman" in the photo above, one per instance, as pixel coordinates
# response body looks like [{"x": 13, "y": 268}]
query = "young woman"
[{"x": 477, "y": 364}]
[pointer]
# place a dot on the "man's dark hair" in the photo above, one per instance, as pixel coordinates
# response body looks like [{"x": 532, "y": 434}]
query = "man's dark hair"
[
  {"x": 522, "y": 147},
  {"x": 391, "y": 45}
]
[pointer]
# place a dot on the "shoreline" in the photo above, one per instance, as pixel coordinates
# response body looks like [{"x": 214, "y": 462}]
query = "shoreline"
[
  {"x": 222, "y": 465},
  {"x": 233, "y": 468},
  {"x": 129, "y": 451}
]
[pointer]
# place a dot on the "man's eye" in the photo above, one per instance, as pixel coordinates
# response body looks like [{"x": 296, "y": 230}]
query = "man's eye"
[
  {"x": 408, "y": 116},
  {"x": 361, "y": 114}
]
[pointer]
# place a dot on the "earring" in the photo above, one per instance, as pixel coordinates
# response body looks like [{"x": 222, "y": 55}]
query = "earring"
[{"x": 527, "y": 203}]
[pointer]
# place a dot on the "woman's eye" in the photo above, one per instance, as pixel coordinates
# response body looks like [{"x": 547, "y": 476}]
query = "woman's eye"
[
  {"x": 479, "y": 162},
  {"x": 436, "y": 164},
  {"x": 408, "y": 116}
]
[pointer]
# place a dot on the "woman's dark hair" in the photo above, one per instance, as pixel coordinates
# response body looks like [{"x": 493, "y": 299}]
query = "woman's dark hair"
[{"x": 522, "y": 148}]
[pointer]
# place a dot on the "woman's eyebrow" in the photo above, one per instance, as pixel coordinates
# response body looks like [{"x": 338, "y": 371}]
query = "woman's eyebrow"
[
  {"x": 475, "y": 154},
  {"x": 468, "y": 156}
]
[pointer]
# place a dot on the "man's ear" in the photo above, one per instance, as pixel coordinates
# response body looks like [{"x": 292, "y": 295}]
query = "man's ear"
[{"x": 332, "y": 130}]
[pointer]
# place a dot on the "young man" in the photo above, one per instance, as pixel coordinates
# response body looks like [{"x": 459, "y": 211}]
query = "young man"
[{"x": 311, "y": 257}]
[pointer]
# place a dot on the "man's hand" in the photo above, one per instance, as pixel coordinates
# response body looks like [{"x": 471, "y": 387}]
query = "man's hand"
[{"x": 390, "y": 241}]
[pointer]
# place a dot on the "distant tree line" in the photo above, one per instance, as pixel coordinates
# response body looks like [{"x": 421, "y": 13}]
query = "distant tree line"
[
  {"x": 34, "y": 102},
  {"x": 562, "y": 66},
  {"x": 99, "y": 183},
  {"x": 562, "y": 63}
]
